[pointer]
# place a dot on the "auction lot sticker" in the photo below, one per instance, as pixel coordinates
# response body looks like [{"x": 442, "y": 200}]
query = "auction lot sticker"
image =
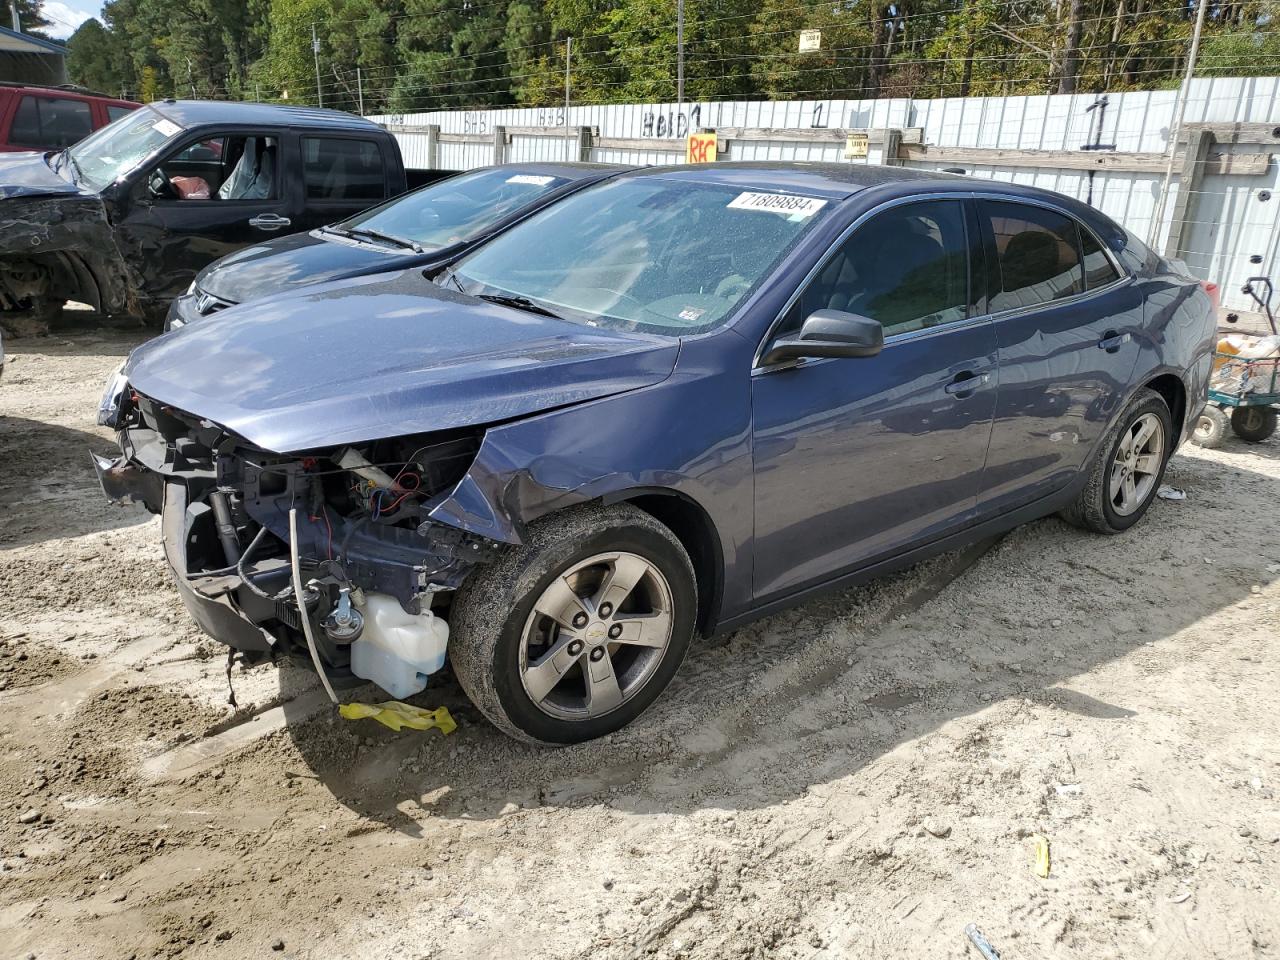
[
  {"x": 798, "y": 207},
  {"x": 529, "y": 178}
]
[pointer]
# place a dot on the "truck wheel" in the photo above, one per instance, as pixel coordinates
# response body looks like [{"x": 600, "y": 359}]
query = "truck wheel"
[
  {"x": 1126, "y": 471},
  {"x": 1253, "y": 424},
  {"x": 1211, "y": 428},
  {"x": 35, "y": 321},
  {"x": 572, "y": 636}
]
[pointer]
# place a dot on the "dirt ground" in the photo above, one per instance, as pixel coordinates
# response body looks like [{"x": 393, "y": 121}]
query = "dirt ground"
[{"x": 860, "y": 777}]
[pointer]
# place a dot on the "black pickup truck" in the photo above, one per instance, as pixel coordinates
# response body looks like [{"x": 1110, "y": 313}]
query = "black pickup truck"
[{"x": 124, "y": 219}]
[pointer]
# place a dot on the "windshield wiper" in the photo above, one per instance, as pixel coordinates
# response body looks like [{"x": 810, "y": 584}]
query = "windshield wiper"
[
  {"x": 379, "y": 235},
  {"x": 452, "y": 274},
  {"x": 520, "y": 303}
]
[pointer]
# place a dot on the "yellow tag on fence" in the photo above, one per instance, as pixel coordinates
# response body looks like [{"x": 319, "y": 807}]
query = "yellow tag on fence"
[{"x": 396, "y": 715}]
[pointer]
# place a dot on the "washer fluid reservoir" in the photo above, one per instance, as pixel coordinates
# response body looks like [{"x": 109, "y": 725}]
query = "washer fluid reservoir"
[{"x": 397, "y": 650}]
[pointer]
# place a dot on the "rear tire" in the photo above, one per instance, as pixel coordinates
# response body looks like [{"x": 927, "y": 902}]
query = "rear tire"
[
  {"x": 1253, "y": 424},
  {"x": 1211, "y": 427},
  {"x": 611, "y": 660},
  {"x": 1127, "y": 469}
]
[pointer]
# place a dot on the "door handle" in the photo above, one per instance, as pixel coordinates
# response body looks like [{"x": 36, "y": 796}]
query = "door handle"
[
  {"x": 965, "y": 383},
  {"x": 1113, "y": 341},
  {"x": 269, "y": 221}
]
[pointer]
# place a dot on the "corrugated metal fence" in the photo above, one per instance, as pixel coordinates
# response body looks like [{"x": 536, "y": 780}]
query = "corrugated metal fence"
[{"x": 1110, "y": 151}]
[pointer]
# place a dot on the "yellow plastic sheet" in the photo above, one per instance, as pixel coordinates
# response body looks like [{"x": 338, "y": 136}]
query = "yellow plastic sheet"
[
  {"x": 396, "y": 715},
  {"x": 1042, "y": 855}
]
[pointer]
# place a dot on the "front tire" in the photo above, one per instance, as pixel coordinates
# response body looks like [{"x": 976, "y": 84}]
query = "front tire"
[
  {"x": 574, "y": 635},
  {"x": 1127, "y": 469}
]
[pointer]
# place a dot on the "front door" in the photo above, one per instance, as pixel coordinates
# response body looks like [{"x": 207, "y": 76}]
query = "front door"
[
  {"x": 206, "y": 199},
  {"x": 860, "y": 458},
  {"x": 1069, "y": 327}
]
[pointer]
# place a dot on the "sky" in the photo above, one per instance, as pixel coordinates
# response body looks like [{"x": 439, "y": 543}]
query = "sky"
[{"x": 65, "y": 15}]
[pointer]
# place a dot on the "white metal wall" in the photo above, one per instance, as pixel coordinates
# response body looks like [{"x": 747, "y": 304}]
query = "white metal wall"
[{"x": 1232, "y": 219}]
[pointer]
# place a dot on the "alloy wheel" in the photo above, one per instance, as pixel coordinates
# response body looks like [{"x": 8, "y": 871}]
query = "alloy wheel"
[
  {"x": 1136, "y": 464},
  {"x": 595, "y": 636}
]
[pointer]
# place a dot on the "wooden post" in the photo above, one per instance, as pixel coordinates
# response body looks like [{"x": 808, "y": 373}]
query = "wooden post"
[
  {"x": 499, "y": 145},
  {"x": 1194, "y": 158},
  {"x": 433, "y": 146},
  {"x": 889, "y": 155},
  {"x": 584, "y": 144}
]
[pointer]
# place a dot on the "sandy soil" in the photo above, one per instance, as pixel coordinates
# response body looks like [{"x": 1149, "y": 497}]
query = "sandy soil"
[{"x": 862, "y": 776}]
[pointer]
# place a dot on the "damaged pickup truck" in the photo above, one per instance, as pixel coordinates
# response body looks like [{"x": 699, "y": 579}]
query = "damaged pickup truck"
[
  {"x": 671, "y": 402},
  {"x": 124, "y": 219}
]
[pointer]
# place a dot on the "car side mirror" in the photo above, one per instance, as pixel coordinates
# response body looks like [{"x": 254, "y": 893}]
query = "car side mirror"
[{"x": 829, "y": 333}]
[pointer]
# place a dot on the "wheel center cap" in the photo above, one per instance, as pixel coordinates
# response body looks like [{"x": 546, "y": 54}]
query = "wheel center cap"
[{"x": 595, "y": 632}]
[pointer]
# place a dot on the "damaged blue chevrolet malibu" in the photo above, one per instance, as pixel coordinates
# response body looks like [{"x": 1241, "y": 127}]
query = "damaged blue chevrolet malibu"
[{"x": 669, "y": 404}]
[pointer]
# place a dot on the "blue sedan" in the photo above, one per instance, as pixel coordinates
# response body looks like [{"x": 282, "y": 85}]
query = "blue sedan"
[{"x": 671, "y": 403}]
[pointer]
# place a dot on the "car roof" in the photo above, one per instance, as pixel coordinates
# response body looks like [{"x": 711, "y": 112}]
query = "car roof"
[
  {"x": 833, "y": 180},
  {"x": 63, "y": 90},
  {"x": 565, "y": 169},
  {"x": 192, "y": 113}
]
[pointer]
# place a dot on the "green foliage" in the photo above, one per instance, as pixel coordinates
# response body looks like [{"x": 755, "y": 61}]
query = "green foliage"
[{"x": 420, "y": 55}]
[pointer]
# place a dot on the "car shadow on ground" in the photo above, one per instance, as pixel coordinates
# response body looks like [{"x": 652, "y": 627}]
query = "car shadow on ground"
[
  {"x": 48, "y": 488},
  {"x": 814, "y": 694}
]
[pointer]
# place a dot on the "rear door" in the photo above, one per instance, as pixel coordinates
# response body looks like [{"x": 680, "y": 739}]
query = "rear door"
[
  {"x": 1067, "y": 323},
  {"x": 49, "y": 122},
  {"x": 860, "y": 458},
  {"x": 340, "y": 175}
]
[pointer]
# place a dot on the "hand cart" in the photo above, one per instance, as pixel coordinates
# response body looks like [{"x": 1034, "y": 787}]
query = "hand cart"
[{"x": 1244, "y": 393}]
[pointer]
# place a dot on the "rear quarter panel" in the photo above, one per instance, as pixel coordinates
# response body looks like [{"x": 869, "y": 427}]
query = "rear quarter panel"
[{"x": 1179, "y": 334}]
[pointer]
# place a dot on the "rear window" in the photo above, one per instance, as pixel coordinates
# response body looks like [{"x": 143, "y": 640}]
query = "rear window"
[
  {"x": 49, "y": 123},
  {"x": 342, "y": 169},
  {"x": 1038, "y": 260},
  {"x": 1098, "y": 269}
]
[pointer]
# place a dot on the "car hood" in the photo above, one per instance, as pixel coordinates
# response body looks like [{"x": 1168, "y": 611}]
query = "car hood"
[
  {"x": 286, "y": 263},
  {"x": 27, "y": 175},
  {"x": 384, "y": 356}
]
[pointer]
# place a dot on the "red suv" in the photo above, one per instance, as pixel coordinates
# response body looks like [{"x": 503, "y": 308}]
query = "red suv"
[{"x": 50, "y": 118}]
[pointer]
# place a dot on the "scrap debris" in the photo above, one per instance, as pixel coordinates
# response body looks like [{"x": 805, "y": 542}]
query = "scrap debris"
[
  {"x": 1042, "y": 856},
  {"x": 1167, "y": 492},
  {"x": 979, "y": 940},
  {"x": 397, "y": 715}
]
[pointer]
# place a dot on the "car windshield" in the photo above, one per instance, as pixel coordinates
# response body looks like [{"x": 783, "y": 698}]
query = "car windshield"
[
  {"x": 457, "y": 209},
  {"x": 105, "y": 156},
  {"x": 644, "y": 253}
]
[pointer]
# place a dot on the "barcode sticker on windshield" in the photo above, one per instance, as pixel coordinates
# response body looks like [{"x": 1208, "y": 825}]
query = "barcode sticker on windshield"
[
  {"x": 530, "y": 178},
  {"x": 166, "y": 128},
  {"x": 796, "y": 207}
]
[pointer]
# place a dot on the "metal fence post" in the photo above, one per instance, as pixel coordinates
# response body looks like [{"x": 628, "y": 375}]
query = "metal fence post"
[
  {"x": 499, "y": 145},
  {"x": 584, "y": 144},
  {"x": 890, "y": 155}
]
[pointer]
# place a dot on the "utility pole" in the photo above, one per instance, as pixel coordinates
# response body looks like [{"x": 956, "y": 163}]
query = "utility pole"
[
  {"x": 679, "y": 55},
  {"x": 568, "y": 61},
  {"x": 17, "y": 21},
  {"x": 315, "y": 52},
  {"x": 1180, "y": 111},
  {"x": 360, "y": 90}
]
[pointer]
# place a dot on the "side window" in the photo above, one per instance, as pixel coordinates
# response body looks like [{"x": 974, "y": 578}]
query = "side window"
[
  {"x": 115, "y": 113},
  {"x": 50, "y": 122},
  {"x": 1036, "y": 254},
  {"x": 219, "y": 168},
  {"x": 1098, "y": 271},
  {"x": 25, "y": 129},
  {"x": 906, "y": 267},
  {"x": 336, "y": 169}
]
